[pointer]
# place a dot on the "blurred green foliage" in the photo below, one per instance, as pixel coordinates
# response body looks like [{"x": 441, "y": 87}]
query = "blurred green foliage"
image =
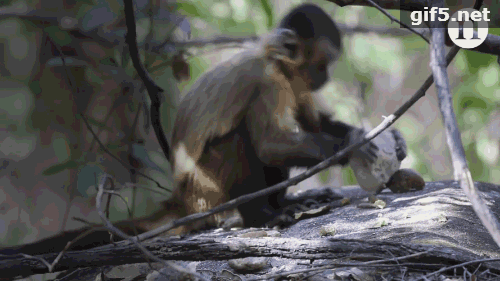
[
  {"x": 368, "y": 59},
  {"x": 476, "y": 97}
]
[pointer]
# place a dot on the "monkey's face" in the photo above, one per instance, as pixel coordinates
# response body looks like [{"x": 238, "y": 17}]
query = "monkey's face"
[{"x": 318, "y": 57}]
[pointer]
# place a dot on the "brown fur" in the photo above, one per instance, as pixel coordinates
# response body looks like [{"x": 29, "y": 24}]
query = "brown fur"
[{"x": 205, "y": 171}]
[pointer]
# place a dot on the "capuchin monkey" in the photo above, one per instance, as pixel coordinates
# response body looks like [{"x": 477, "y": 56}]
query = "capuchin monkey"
[
  {"x": 244, "y": 124},
  {"x": 247, "y": 121}
]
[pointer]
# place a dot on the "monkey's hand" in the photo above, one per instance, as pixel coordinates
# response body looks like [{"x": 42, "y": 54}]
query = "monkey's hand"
[
  {"x": 368, "y": 152},
  {"x": 401, "y": 148}
]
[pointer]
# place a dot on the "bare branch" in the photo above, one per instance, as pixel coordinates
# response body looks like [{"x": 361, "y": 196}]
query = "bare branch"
[
  {"x": 215, "y": 247},
  {"x": 334, "y": 265},
  {"x": 388, "y": 4},
  {"x": 105, "y": 149},
  {"x": 153, "y": 90},
  {"x": 123, "y": 235},
  {"x": 490, "y": 46},
  {"x": 393, "y": 19},
  {"x": 453, "y": 136},
  {"x": 113, "y": 38}
]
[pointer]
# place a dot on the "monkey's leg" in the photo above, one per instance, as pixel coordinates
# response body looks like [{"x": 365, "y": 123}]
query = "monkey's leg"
[{"x": 263, "y": 209}]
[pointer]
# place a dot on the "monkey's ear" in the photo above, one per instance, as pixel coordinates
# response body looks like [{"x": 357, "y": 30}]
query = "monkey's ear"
[{"x": 284, "y": 45}]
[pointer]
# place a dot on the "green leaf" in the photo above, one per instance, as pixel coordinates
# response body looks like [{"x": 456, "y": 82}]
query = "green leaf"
[
  {"x": 35, "y": 87},
  {"x": 5, "y": 2},
  {"x": 469, "y": 101},
  {"x": 94, "y": 122},
  {"x": 478, "y": 60},
  {"x": 60, "y": 37},
  {"x": 266, "y": 6},
  {"x": 57, "y": 168},
  {"x": 194, "y": 9}
]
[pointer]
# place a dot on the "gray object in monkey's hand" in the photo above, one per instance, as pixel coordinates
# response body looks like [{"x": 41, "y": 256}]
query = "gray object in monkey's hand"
[{"x": 385, "y": 172}]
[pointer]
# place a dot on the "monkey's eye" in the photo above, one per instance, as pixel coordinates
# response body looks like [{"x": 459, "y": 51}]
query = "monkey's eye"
[
  {"x": 322, "y": 67},
  {"x": 292, "y": 48}
]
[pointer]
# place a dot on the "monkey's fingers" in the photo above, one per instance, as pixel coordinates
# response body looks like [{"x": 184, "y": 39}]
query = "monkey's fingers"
[
  {"x": 401, "y": 148},
  {"x": 401, "y": 153},
  {"x": 369, "y": 152}
]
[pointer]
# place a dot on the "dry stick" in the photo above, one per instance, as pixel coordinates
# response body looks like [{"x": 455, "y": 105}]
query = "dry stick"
[
  {"x": 202, "y": 42},
  {"x": 307, "y": 174},
  {"x": 333, "y": 265},
  {"x": 461, "y": 170},
  {"x": 70, "y": 243},
  {"x": 129, "y": 211},
  {"x": 105, "y": 149},
  {"x": 71, "y": 82},
  {"x": 457, "y": 266},
  {"x": 396, "y": 20},
  {"x": 133, "y": 176},
  {"x": 123, "y": 235},
  {"x": 153, "y": 90},
  {"x": 224, "y": 39}
]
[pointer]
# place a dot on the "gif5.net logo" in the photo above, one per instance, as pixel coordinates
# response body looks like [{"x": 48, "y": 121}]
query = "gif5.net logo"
[{"x": 468, "y": 35}]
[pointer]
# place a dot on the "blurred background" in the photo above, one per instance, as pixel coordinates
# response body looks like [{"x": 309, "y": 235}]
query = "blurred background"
[{"x": 61, "y": 59}]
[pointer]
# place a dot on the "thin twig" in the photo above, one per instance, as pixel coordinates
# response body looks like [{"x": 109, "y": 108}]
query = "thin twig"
[
  {"x": 393, "y": 19},
  {"x": 452, "y": 132},
  {"x": 334, "y": 265},
  {"x": 154, "y": 91},
  {"x": 103, "y": 147},
  {"x": 70, "y": 243},
  {"x": 130, "y": 139},
  {"x": 457, "y": 266},
  {"x": 123, "y": 235}
]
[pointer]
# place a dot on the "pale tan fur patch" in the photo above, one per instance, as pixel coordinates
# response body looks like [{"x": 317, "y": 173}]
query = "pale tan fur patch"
[
  {"x": 183, "y": 163},
  {"x": 284, "y": 111}
]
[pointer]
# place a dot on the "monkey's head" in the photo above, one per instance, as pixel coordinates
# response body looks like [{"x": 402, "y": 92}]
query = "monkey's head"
[{"x": 317, "y": 45}]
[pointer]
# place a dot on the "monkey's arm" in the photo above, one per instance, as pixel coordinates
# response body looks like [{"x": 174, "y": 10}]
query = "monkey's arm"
[
  {"x": 217, "y": 102},
  {"x": 277, "y": 136}
]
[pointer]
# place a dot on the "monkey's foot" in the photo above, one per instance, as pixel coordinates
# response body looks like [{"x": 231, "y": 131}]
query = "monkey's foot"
[
  {"x": 286, "y": 218},
  {"x": 304, "y": 204},
  {"x": 317, "y": 195},
  {"x": 232, "y": 222}
]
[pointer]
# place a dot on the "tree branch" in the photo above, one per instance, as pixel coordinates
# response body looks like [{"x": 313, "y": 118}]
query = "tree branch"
[
  {"x": 214, "y": 247},
  {"x": 453, "y": 136},
  {"x": 153, "y": 90},
  {"x": 490, "y": 46}
]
